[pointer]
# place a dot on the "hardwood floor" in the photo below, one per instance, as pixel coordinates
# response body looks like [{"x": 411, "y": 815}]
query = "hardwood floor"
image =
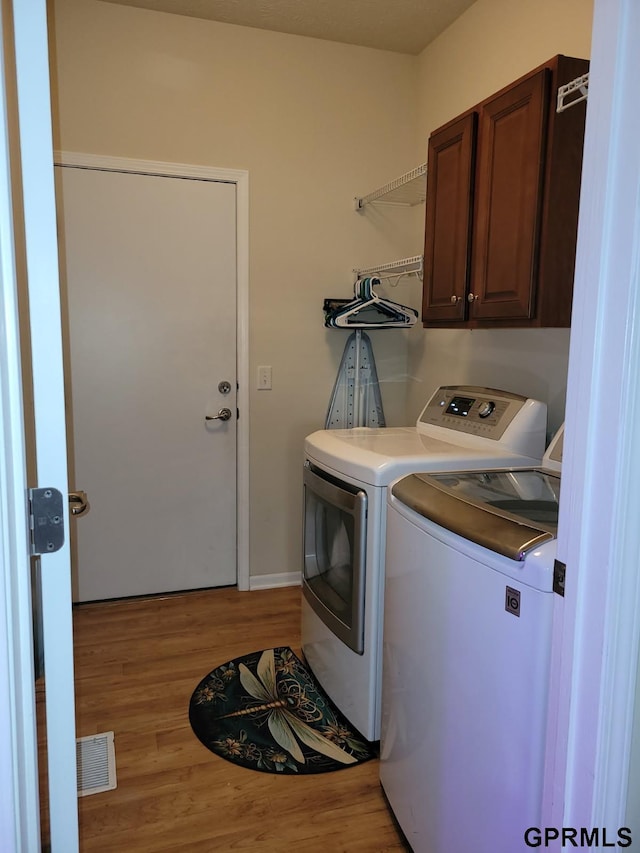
[{"x": 137, "y": 664}]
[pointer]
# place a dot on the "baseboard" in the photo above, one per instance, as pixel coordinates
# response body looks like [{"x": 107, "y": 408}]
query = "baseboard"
[{"x": 275, "y": 580}]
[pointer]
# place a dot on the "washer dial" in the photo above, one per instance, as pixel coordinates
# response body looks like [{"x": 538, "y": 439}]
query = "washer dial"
[{"x": 486, "y": 409}]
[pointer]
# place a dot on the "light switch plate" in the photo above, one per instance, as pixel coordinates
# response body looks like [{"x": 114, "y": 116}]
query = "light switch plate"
[{"x": 264, "y": 378}]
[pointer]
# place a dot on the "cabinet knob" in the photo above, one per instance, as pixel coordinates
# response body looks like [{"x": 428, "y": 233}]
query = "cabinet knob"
[
  {"x": 455, "y": 299},
  {"x": 471, "y": 297}
]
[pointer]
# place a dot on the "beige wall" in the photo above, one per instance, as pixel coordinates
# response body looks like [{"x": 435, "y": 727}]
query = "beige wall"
[
  {"x": 315, "y": 123},
  {"x": 493, "y": 43}
]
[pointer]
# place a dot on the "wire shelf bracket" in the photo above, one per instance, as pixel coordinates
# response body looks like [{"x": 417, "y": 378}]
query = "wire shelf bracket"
[
  {"x": 408, "y": 190},
  {"x": 573, "y": 93},
  {"x": 395, "y": 269}
]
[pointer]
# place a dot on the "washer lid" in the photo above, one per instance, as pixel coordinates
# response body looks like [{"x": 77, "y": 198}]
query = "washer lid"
[{"x": 509, "y": 512}]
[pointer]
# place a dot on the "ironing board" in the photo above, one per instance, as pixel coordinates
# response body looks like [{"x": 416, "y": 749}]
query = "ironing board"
[{"x": 356, "y": 399}]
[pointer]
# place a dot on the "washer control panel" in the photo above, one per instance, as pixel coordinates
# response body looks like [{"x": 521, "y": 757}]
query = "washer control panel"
[{"x": 480, "y": 411}]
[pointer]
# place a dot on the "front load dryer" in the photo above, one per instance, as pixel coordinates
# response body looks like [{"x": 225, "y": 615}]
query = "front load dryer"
[{"x": 346, "y": 475}]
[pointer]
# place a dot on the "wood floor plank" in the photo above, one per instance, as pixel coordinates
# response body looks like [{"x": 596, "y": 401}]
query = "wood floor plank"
[{"x": 137, "y": 665}]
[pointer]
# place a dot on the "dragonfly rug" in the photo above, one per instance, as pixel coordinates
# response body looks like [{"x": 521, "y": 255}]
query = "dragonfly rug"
[{"x": 266, "y": 712}]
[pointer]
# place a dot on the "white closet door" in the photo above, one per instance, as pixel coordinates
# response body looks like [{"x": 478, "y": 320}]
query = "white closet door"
[{"x": 149, "y": 264}]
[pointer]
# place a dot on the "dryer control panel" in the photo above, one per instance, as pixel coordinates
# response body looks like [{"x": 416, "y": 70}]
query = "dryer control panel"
[{"x": 474, "y": 410}]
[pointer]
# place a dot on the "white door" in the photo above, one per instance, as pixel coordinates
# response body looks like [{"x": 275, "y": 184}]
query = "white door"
[
  {"x": 149, "y": 265},
  {"x": 27, "y": 231}
]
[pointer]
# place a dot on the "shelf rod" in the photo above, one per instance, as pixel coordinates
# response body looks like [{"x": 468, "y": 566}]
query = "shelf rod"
[
  {"x": 397, "y": 183},
  {"x": 406, "y": 266},
  {"x": 581, "y": 85}
]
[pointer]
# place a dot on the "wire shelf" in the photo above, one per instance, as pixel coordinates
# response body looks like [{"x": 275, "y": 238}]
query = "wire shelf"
[
  {"x": 395, "y": 269},
  {"x": 408, "y": 190}
]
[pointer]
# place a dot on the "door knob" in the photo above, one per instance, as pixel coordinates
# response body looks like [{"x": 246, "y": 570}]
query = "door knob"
[
  {"x": 78, "y": 503},
  {"x": 223, "y": 415}
]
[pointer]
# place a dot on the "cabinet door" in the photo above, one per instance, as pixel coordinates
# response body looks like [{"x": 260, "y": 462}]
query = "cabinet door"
[
  {"x": 449, "y": 219},
  {"x": 510, "y": 171}
]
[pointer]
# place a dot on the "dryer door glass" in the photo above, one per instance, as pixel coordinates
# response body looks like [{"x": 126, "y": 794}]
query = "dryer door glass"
[{"x": 334, "y": 554}]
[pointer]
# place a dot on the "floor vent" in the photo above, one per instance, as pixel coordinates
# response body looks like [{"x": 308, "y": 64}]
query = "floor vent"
[{"x": 95, "y": 764}]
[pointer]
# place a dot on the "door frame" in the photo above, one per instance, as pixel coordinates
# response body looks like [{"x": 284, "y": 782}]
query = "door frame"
[
  {"x": 595, "y": 704},
  {"x": 240, "y": 178},
  {"x": 28, "y": 232},
  {"x": 19, "y": 813}
]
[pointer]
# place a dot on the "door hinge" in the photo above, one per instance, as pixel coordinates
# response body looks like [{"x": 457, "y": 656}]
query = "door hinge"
[
  {"x": 46, "y": 520},
  {"x": 559, "y": 572}
]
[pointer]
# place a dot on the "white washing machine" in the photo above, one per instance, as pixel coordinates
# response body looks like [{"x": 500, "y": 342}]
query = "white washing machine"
[
  {"x": 468, "y": 628},
  {"x": 346, "y": 474}
]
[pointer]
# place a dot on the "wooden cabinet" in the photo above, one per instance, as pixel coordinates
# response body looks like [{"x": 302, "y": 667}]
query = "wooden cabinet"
[
  {"x": 447, "y": 250},
  {"x": 503, "y": 191}
]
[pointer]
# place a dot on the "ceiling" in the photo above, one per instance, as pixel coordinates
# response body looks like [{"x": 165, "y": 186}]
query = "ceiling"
[{"x": 405, "y": 26}]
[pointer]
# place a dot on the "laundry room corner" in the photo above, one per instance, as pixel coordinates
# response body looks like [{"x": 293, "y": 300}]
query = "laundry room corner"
[
  {"x": 315, "y": 124},
  {"x": 315, "y": 130},
  {"x": 483, "y": 50},
  {"x": 302, "y": 300}
]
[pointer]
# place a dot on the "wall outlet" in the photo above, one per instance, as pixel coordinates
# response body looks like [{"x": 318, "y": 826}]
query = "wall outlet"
[{"x": 264, "y": 378}]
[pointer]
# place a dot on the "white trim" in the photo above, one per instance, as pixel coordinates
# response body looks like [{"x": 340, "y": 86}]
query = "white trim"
[
  {"x": 598, "y": 531},
  {"x": 240, "y": 178},
  {"x": 19, "y": 813},
  {"x": 18, "y": 735},
  {"x": 276, "y": 580},
  {"x": 147, "y": 167},
  {"x": 242, "y": 272},
  {"x": 35, "y": 162}
]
